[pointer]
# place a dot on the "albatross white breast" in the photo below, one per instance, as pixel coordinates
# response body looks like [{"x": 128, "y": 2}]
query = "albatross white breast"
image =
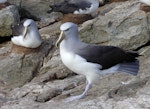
[{"x": 93, "y": 60}]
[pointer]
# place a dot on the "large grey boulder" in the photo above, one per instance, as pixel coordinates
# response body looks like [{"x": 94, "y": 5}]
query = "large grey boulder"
[
  {"x": 8, "y": 16},
  {"x": 124, "y": 25},
  {"x": 52, "y": 69},
  {"x": 37, "y": 8},
  {"x": 19, "y": 65}
]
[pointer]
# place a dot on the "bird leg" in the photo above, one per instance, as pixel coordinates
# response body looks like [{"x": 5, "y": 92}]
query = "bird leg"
[{"x": 88, "y": 86}]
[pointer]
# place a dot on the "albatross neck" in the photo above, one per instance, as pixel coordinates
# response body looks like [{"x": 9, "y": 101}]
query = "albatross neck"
[{"x": 72, "y": 41}]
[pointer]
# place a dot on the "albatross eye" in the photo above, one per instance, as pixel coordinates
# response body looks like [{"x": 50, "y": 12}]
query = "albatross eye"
[
  {"x": 29, "y": 25},
  {"x": 67, "y": 29}
]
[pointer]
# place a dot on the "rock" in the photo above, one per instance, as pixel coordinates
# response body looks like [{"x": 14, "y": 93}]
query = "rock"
[
  {"x": 15, "y": 2},
  {"x": 42, "y": 91},
  {"x": 31, "y": 6},
  {"x": 124, "y": 25},
  {"x": 128, "y": 90},
  {"x": 45, "y": 22},
  {"x": 51, "y": 30},
  {"x": 96, "y": 100},
  {"x": 53, "y": 69},
  {"x": 27, "y": 63},
  {"x": 8, "y": 16},
  {"x": 148, "y": 16},
  {"x": 47, "y": 95},
  {"x": 111, "y": 1}
]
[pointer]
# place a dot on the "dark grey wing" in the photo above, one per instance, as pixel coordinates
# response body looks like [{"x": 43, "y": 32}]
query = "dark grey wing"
[
  {"x": 68, "y": 6},
  {"x": 106, "y": 56},
  {"x": 17, "y": 29},
  {"x": 81, "y": 4}
]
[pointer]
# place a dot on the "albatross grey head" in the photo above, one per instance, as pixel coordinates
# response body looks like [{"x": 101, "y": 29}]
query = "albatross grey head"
[
  {"x": 69, "y": 29},
  {"x": 28, "y": 24}
]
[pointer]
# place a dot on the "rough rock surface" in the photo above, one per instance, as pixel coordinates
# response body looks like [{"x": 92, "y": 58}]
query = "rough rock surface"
[
  {"x": 8, "y": 16},
  {"x": 45, "y": 82},
  {"x": 37, "y": 9},
  {"x": 119, "y": 24},
  {"x": 109, "y": 94},
  {"x": 19, "y": 65}
]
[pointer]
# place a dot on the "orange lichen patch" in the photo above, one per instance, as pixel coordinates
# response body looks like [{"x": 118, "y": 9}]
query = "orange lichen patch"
[
  {"x": 145, "y": 8},
  {"x": 76, "y": 18},
  {"x": 24, "y": 50}
]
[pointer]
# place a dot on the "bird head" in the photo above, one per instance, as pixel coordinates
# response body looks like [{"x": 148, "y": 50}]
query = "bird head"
[
  {"x": 68, "y": 28},
  {"x": 27, "y": 24}
]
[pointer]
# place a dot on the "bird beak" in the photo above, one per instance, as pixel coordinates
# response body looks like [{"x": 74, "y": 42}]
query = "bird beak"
[
  {"x": 25, "y": 32},
  {"x": 59, "y": 39}
]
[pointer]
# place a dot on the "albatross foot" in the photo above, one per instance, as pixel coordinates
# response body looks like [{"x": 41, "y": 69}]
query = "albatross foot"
[
  {"x": 88, "y": 86},
  {"x": 72, "y": 98}
]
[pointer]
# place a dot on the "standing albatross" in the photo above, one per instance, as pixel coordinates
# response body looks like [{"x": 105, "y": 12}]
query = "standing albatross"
[
  {"x": 29, "y": 35},
  {"x": 92, "y": 60}
]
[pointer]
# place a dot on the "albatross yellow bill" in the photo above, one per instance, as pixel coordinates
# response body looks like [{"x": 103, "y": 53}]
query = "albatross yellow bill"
[
  {"x": 59, "y": 39},
  {"x": 25, "y": 32}
]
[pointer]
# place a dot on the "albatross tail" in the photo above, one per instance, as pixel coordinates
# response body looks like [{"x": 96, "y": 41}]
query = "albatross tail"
[{"x": 129, "y": 67}]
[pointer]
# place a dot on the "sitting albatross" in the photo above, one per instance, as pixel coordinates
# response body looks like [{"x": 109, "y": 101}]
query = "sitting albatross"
[
  {"x": 77, "y": 11},
  {"x": 76, "y": 6},
  {"x": 93, "y": 60},
  {"x": 29, "y": 36},
  {"x": 147, "y": 2}
]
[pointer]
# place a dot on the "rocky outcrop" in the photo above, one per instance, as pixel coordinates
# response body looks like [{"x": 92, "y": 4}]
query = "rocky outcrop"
[
  {"x": 36, "y": 10},
  {"x": 8, "y": 16},
  {"x": 36, "y": 78},
  {"x": 19, "y": 65},
  {"x": 121, "y": 24},
  {"x": 133, "y": 93}
]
